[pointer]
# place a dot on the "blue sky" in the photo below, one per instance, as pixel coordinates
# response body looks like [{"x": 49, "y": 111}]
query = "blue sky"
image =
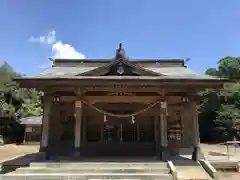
[{"x": 203, "y": 30}]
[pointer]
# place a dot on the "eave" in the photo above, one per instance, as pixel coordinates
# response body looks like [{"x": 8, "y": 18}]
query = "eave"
[{"x": 108, "y": 80}]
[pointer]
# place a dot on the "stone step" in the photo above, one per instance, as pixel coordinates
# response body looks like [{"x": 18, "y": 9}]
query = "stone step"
[
  {"x": 93, "y": 170},
  {"x": 97, "y": 165},
  {"x": 89, "y": 176}
]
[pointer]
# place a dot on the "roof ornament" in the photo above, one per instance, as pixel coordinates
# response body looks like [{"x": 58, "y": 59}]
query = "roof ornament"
[
  {"x": 120, "y": 53},
  {"x": 186, "y": 60},
  {"x": 120, "y": 69}
]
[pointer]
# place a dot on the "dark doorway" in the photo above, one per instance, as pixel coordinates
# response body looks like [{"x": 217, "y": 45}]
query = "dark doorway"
[{"x": 120, "y": 137}]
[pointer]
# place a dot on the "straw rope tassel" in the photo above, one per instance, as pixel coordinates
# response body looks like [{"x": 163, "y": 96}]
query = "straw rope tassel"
[
  {"x": 133, "y": 120},
  {"x": 105, "y": 118}
]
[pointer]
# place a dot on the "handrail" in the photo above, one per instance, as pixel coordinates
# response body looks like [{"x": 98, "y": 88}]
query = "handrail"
[
  {"x": 209, "y": 168},
  {"x": 173, "y": 169}
]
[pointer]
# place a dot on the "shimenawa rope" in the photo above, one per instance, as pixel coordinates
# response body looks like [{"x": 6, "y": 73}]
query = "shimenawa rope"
[{"x": 123, "y": 115}]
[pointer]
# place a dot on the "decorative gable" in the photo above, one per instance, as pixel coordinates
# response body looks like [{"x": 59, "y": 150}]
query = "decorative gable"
[{"x": 120, "y": 67}]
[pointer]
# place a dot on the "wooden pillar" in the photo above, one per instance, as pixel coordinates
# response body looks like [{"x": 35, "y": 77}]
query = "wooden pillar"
[
  {"x": 196, "y": 128},
  {"x": 102, "y": 132},
  {"x": 25, "y": 134},
  {"x": 47, "y": 103},
  {"x": 156, "y": 135},
  {"x": 163, "y": 126},
  {"x": 138, "y": 129},
  {"x": 164, "y": 153},
  {"x": 84, "y": 130},
  {"x": 78, "y": 124},
  {"x": 196, "y": 150}
]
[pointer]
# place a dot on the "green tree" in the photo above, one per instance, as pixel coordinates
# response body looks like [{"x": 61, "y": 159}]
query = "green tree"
[
  {"x": 229, "y": 66},
  {"x": 15, "y": 102},
  {"x": 219, "y": 110},
  {"x": 212, "y": 72},
  {"x": 227, "y": 121},
  {"x": 207, "y": 114}
]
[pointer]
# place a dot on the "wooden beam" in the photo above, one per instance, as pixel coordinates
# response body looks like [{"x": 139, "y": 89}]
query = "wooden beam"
[
  {"x": 124, "y": 89},
  {"x": 46, "y": 83},
  {"x": 103, "y": 88},
  {"x": 68, "y": 98},
  {"x": 120, "y": 99}
]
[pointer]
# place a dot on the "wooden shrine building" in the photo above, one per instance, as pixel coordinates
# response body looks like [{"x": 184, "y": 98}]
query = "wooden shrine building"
[{"x": 119, "y": 107}]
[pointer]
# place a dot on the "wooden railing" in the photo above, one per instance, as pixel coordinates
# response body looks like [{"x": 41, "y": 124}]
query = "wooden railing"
[
  {"x": 209, "y": 168},
  {"x": 173, "y": 169}
]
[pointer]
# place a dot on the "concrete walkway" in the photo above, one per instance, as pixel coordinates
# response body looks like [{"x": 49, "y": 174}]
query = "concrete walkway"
[{"x": 189, "y": 169}]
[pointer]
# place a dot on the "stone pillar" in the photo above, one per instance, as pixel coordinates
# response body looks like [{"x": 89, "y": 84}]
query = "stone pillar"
[
  {"x": 164, "y": 153},
  {"x": 196, "y": 150},
  {"x": 47, "y": 103},
  {"x": 78, "y": 127}
]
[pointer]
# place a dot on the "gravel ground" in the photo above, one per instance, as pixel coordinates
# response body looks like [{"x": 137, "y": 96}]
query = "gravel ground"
[
  {"x": 209, "y": 148},
  {"x": 228, "y": 176},
  {"x": 10, "y": 151}
]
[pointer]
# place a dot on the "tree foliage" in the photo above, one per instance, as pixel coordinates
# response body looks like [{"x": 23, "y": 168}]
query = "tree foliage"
[
  {"x": 227, "y": 121},
  {"x": 220, "y": 109},
  {"x": 15, "y": 102},
  {"x": 212, "y": 72},
  {"x": 229, "y": 66}
]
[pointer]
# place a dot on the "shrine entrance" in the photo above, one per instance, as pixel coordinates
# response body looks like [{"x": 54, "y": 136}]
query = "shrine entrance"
[
  {"x": 120, "y": 137},
  {"x": 112, "y": 133}
]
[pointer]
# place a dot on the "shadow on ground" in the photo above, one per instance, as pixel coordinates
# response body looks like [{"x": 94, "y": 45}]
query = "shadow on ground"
[
  {"x": 21, "y": 161},
  {"x": 212, "y": 153},
  {"x": 183, "y": 161}
]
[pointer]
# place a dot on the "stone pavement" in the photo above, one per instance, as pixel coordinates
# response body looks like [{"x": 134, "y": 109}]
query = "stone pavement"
[
  {"x": 188, "y": 169},
  {"x": 91, "y": 170}
]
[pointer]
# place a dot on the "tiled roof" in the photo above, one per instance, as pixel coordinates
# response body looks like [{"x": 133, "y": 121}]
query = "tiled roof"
[
  {"x": 172, "y": 77},
  {"x": 67, "y": 70},
  {"x": 166, "y": 69},
  {"x": 168, "y": 72}
]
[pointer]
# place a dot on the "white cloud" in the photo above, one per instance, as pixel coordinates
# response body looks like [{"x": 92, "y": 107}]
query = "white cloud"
[
  {"x": 59, "y": 49},
  {"x": 50, "y": 38},
  {"x": 66, "y": 51}
]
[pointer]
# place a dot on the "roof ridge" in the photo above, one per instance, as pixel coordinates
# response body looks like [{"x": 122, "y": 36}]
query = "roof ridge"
[{"x": 109, "y": 60}]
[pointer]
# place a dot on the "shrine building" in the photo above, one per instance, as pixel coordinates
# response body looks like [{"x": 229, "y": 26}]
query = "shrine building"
[{"x": 120, "y": 107}]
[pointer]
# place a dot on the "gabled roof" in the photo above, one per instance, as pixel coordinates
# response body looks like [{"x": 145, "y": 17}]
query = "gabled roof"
[
  {"x": 103, "y": 69},
  {"x": 81, "y": 71},
  {"x": 158, "y": 70},
  {"x": 172, "y": 69}
]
